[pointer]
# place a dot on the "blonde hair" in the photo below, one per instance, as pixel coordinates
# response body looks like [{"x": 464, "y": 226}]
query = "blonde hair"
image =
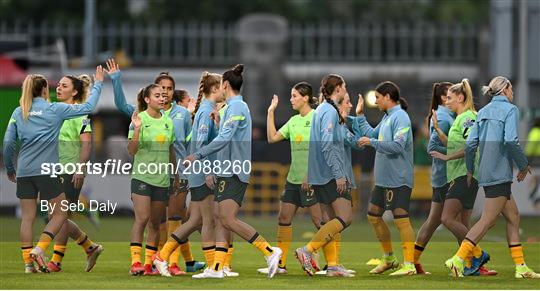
[
  {"x": 32, "y": 86},
  {"x": 496, "y": 86},
  {"x": 207, "y": 82},
  {"x": 464, "y": 88}
]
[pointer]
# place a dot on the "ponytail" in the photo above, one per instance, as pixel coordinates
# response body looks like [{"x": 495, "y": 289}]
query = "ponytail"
[
  {"x": 32, "y": 86},
  {"x": 328, "y": 86},
  {"x": 143, "y": 93},
  {"x": 439, "y": 89},
  {"x": 496, "y": 86},
  {"x": 464, "y": 88},
  {"x": 207, "y": 82}
]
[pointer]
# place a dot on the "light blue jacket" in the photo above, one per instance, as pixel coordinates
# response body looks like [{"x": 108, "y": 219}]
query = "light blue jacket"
[
  {"x": 445, "y": 118},
  {"x": 119, "y": 96},
  {"x": 326, "y": 158},
  {"x": 37, "y": 136},
  {"x": 495, "y": 132},
  {"x": 393, "y": 142},
  {"x": 233, "y": 143},
  {"x": 182, "y": 127},
  {"x": 203, "y": 132},
  {"x": 349, "y": 143}
]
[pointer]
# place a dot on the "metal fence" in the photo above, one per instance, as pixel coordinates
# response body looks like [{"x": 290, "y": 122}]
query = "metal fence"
[{"x": 203, "y": 43}]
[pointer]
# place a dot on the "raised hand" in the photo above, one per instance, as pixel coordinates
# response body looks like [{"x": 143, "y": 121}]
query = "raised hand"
[
  {"x": 112, "y": 67},
  {"x": 135, "y": 119},
  {"x": 274, "y": 103},
  {"x": 434, "y": 120},
  {"x": 98, "y": 76},
  {"x": 360, "y": 105}
]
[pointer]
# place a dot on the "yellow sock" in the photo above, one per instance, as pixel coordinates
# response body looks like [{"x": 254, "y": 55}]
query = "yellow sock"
[
  {"x": 58, "y": 254},
  {"x": 26, "y": 254},
  {"x": 45, "y": 240},
  {"x": 219, "y": 258},
  {"x": 516, "y": 251},
  {"x": 136, "y": 250},
  {"x": 407, "y": 235},
  {"x": 330, "y": 254},
  {"x": 185, "y": 249},
  {"x": 382, "y": 232},
  {"x": 148, "y": 253},
  {"x": 477, "y": 251},
  {"x": 172, "y": 224},
  {"x": 169, "y": 247},
  {"x": 418, "y": 249},
  {"x": 325, "y": 234},
  {"x": 228, "y": 258},
  {"x": 209, "y": 253},
  {"x": 85, "y": 242},
  {"x": 465, "y": 249},
  {"x": 284, "y": 238},
  {"x": 261, "y": 244},
  {"x": 162, "y": 235},
  {"x": 337, "y": 243}
]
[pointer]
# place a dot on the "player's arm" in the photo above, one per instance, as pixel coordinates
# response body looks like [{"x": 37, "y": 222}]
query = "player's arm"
[
  {"x": 272, "y": 134},
  {"x": 10, "y": 147},
  {"x": 68, "y": 111}
]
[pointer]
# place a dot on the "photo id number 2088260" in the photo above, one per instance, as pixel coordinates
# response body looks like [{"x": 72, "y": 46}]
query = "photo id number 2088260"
[{"x": 217, "y": 167}]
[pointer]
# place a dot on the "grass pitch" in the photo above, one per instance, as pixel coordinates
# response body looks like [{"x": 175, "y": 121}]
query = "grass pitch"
[{"x": 358, "y": 247}]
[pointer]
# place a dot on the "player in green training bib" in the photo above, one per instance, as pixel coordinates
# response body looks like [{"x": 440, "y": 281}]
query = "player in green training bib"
[
  {"x": 74, "y": 143},
  {"x": 461, "y": 194},
  {"x": 151, "y": 136},
  {"x": 297, "y": 192}
]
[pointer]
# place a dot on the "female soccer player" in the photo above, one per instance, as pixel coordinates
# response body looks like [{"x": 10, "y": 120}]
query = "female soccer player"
[
  {"x": 233, "y": 147},
  {"x": 202, "y": 185},
  {"x": 150, "y": 142},
  {"x": 330, "y": 185},
  {"x": 495, "y": 132},
  {"x": 444, "y": 119},
  {"x": 181, "y": 98},
  {"x": 297, "y": 192},
  {"x": 74, "y": 147},
  {"x": 461, "y": 195},
  {"x": 34, "y": 127},
  {"x": 178, "y": 190},
  {"x": 392, "y": 140}
]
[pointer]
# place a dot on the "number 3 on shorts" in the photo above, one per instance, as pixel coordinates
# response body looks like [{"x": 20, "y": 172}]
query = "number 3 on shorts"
[{"x": 221, "y": 187}]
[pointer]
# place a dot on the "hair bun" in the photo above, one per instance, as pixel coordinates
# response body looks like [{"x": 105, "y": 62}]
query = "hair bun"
[{"x": 238, "y": 69}]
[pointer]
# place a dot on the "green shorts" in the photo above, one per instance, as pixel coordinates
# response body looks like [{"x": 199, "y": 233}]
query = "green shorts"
[
  {"x": 230, "y": 188},
  {"x": 391, "y": 198},
  {"x": 327, "y": 193},
  {"x": 72, "y": 193},
  {"x": 47, "y": 187},
  {"x": 459, "y": 190},
  {"x": 200, "y": 193},
  {"x": 293, "y": 194},
  {"x": 494, "y": 191},
  {"x": 439, "y": 193},
  {"x": 155, "y": 193},
  {"x": 184, "y": 188}
]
